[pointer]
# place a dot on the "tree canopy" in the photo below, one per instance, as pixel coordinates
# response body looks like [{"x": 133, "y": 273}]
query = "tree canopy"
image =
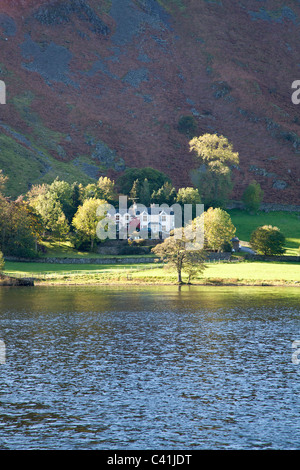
[
  {"x": 177, "y": 253},
  {"x": 156, "y": 179},
  {"x": 216, "y": 157},
  {"x": 218, "y": 228},
  {"x": 253, "y": 196},
  {"x": 86, "y": 219},
  {"x": 268, "y": 240}
]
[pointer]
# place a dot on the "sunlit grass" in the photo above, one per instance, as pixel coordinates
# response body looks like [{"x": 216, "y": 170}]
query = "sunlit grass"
[
  {"x": 287, "y": 222},
  {"x": 237, "y": 272}
]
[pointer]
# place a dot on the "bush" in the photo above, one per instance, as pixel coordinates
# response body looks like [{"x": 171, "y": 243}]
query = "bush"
[
  {"x": 2, "y": 262},
  {"x": 253, "y": 196},
  {"x": 187, "y": 125},
  {"x": 268, "y": 240},
  {"x": 226, "y": 247}
]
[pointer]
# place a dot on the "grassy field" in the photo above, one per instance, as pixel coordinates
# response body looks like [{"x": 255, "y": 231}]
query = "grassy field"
[
  {"x": 277, "y": 273},
  {"x": 287, "y": 222}
]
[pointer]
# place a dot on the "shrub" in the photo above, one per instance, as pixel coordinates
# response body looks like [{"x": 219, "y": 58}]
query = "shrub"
[
  {"x": 187, "y": 125},
  {"x": 226, "y": 247},
  {"x": 268, "y": 240},
  {"x": 253, "y": 196},
  {"x": 2, "y": 263}
]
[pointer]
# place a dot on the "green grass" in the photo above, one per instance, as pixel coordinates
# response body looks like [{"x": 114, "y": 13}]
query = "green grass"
[
  {"x": 239, "y": 271},
  {"x": 287, "y": 222},
  {"x": 235, "y": 272},
  {"x": 24, "y": 166}
]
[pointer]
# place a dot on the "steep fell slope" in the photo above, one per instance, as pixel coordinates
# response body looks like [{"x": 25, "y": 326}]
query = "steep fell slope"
[{"x": 94, "y": 87}]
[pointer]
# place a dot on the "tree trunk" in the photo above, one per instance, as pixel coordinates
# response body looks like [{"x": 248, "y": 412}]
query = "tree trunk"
[{"x": 179, "y": 280}]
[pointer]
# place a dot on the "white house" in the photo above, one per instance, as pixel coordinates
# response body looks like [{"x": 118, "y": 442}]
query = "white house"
[{"x": 154, "y": 221}]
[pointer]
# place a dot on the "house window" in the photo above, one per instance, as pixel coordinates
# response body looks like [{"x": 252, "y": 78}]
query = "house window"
[
  {"x": 117, "y": 218},
  {"x": 164, "y": 228},
  {"x": 127, "y": 218},
  {"x": 163, "y": 218}
]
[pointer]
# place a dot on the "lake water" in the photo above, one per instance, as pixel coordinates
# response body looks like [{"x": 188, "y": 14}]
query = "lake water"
[{"x": 149, "y": 368}]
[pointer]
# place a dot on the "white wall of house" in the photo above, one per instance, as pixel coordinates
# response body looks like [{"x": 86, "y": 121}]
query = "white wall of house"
[{"x": 158, "y": 221}]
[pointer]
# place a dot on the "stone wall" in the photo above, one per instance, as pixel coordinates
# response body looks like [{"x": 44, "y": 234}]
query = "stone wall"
[
  {"x": 266, "y": 207},
  {"x": 272, "y": 258}
]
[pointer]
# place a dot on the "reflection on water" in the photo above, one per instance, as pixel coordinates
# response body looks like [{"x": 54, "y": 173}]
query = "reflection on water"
[{"x": 151, "y": 368}]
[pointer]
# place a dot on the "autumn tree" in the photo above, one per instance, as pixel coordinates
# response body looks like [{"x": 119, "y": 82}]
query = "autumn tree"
[
  {"x": 85, "y": 220},
  {"x": 47, "y": 205},
  {"x": 216, "y": 157},
  {"x": 218, "y": 228},
  {"x": 194, "y": 264},
  {"x": 188, "y": 195},
  {"x": 107, "y": 190},
  {"x": 179, "y": 253},
  {"x": 103, "y": 189}
]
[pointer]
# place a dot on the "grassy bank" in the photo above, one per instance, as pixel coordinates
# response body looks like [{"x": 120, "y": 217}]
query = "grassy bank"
[
  {"x": 287, "y": 222},
  {"x": 239, "y": 273}
]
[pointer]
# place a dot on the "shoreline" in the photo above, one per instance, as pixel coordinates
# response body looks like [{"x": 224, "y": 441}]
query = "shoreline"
[{"x": 171, "y": 284}]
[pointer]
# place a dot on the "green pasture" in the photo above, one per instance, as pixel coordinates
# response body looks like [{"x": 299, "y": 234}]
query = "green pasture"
[
  {"x": 287, "y": 222},
  {"x": 237, "y": 272}
]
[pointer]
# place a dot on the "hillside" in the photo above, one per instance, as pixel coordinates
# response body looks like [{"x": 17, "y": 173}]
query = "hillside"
[{"x": 96, "y": 86}]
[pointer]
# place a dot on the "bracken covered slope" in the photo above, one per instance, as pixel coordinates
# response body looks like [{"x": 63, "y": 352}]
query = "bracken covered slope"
[{"x": 96, "y": 86}]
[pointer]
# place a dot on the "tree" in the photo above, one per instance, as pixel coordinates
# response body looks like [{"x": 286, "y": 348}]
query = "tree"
[
  {"x": 188, "y": 196},
  {"x": 194, "y": 264},
  {"x": 145, "y": 196},
  {"x": 107, "y": 190},
  {"x": 16, "y": 234},
  {"x": 218, "y": 228},
  {"x": 63, "y": 191},
  {"x": 86, "y": 219},
  {"x": 253, "y": 196},
  {"x": 155, "y": 178},
  {"x": 216, "y": 156},
  {"x": 61, "y": 227},
  {"x": 3, "y": 180},
  {"x": 133, "y": 195},
  {"x": 2, "y": 262},
  {"x": 268, "y": 240},
  {"x": 177, "y": 253},
  {"x": 34, "y": 221},
  {"x": 165, "y": 195},
  {"x": 103, "y": 189},
  {"x": 77, "y": 197},
  {"x": 187, "y": 125},
  {"x": 49, "y": 208}
]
